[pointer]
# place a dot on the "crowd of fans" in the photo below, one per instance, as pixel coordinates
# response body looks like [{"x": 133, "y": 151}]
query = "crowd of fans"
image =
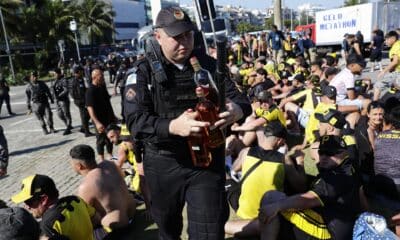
[{"x": 303, "y": 105}]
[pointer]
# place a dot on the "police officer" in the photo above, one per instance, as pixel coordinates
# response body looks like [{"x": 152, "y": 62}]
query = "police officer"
[
  {"x": 77, "y": 91},
  {"x": 39, "y": 94},
  {"x": 120, "y": 81},
  {"x": 3, "y": 153},
  {"x": 60, "y": 90},
  {"x": 159, "y": 112},
  {"x": 4, "y": 95}
]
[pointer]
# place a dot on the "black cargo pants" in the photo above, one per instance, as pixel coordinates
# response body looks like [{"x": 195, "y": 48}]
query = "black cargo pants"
[
  {"x": 41, "y": 111},
  {"x": 172, "y": 184},
  {"x": 64, "y": 112}
]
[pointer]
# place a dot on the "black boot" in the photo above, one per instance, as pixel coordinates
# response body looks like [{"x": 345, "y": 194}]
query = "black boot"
[
  {"x": 45, "y": 132},
  {"x": 67, "y": 131},
  {"x": 88, "y": 133},
  {"x": 52, "y": 130}
]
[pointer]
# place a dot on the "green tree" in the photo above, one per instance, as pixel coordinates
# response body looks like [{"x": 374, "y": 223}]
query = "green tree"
[
  {"x": 9, "y": 9},
  {"x": 94, "y": 17},
  {"x": 354, "y": 2},
  {"x": 243, "y": 27}
]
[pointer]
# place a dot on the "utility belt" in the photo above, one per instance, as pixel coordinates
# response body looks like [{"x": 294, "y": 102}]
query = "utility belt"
[{"x": 171, "y": 147}]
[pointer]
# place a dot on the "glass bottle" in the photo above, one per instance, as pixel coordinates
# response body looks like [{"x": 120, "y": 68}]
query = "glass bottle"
[{"x": 210, "y": 137}]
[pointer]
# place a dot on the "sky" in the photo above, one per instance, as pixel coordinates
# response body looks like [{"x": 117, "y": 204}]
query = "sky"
[{"x": 263, "y": 4}]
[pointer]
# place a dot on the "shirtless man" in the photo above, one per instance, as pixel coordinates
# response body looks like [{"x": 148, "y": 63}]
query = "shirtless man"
[{"x": 103, "y": 188}]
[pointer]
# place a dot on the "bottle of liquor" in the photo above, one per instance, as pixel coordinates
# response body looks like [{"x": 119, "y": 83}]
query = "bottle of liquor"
[{"x": 211, "y": 137}]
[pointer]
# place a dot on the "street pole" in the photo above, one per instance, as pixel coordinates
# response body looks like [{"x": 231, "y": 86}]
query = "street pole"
[
  {"x": 291, "y": 19},
  {"x": 7, "y": 46},
  {"x": 212, "y": 22},
  {"x": 278, "y": 13},
  {"x": 77, "y": 47},
  {"x": 73, "y": 27}
]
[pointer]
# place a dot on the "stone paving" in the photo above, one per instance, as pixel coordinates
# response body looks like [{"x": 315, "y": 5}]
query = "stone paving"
[{"x": 32, "y": 152}]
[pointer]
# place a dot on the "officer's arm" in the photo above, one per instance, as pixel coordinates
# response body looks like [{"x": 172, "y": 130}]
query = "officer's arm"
[
  {"x": 48, "y": 93},
  {"x": 65, "y": 89},
  {"x": 142, "y": 121}
]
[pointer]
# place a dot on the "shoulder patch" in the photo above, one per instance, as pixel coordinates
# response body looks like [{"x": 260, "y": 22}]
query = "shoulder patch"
[{"x": 131, "y": 79}]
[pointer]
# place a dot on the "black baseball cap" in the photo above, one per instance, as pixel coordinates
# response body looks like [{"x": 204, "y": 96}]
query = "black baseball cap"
[
  {"x": 299, "y": 77},
  {"x": 35, "y": 185},
  {"x": 331, "y": 145},
  {"x": 276, "y": 129},
  {"x": 256, "y": 89},
  {"x": 264, "y": 96},
  {"x": 17, "y": 223},
  {"x": 333, "y": 117},
  {"x": 174, "y": 21},
  {"x": 329, "y": 91}
]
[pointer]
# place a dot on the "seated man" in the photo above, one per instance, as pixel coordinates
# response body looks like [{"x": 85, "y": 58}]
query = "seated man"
[
  {"x": 130, "y": 152},
  {"x": 327, "y": 211},
  {"x": 383, "y": 191},
  {"x": 103, "y": 188},
  {"x": 344, "y": 83},
  {"x": 17, "y": 224},
  {"x": 63, "y": 217},
  {"x": 269, "y": 175}
]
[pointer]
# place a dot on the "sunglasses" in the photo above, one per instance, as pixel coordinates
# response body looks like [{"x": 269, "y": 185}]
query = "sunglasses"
[{"x": 31, "y": 202}]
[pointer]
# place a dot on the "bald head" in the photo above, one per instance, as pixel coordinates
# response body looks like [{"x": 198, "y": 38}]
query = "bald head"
[{"x": 97, "y": 77}]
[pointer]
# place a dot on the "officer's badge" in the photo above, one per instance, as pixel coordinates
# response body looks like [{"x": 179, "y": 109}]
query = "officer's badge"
[
  {"x": 130, "y": 94},
  {"x": 179, "y": 15}
]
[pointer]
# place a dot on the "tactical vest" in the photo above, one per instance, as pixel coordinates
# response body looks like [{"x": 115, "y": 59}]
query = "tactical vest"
[
  {"x": 176, "y": 95},
  {"x": 38, "y": 92},
  {"x": 58, "y": 88}
]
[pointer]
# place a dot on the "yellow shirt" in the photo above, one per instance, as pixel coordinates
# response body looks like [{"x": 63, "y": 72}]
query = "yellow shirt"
[
  {"x": 70, "y": 217},
  {"x": 395, "y": 50},
  {"x": 269, "y": 175},
  {"x": 273, "y": 113},
  {"x": 132, "y": 160},
  {"x": 312, "y": 128},
  {"x": 308, "y": 99}
]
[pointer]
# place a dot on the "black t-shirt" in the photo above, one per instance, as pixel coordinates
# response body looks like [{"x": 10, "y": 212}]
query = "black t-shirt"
[
  {"x": 98, "y": 98},
  {"x": 338, "y": 191}
]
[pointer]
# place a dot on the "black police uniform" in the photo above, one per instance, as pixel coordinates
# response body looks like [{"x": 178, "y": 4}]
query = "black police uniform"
[
  {"x": 3, "y": 150},
  {"x": 39, "y": 94},
  {"x": 5, "y": 96},
  {"x": 170, "y": 174},
  {"x": 112, "y": 68},
  {"x": 120, "y": 82},
  {"x": 60, "y": 90},
  {"x": 77, "y": 90}
]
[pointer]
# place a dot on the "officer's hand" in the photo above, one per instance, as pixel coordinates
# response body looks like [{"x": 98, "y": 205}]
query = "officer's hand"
[
  {"x": 100, "y": 127},
  {"x": 232, "y": 114},
  {"x": 185, "y": 124}
]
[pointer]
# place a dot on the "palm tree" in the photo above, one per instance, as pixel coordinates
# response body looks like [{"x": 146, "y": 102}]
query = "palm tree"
[{"x": 94, "y": 18}]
